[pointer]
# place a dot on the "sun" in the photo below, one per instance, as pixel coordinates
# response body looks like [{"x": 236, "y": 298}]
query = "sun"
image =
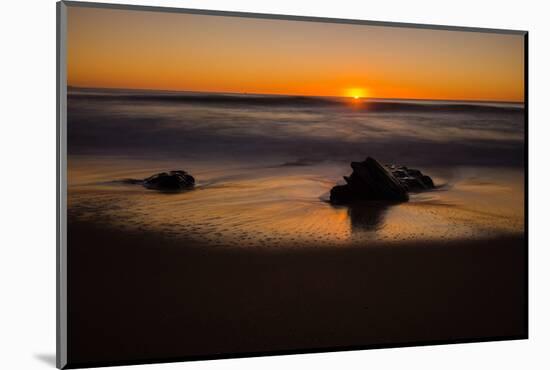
[{"x": 356, "y": 93}]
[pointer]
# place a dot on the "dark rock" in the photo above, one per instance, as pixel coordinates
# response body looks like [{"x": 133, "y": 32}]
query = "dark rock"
[
  {"x": 342, "y": 194},
  {"x": 412, "y": 179},
  {"x": 412, "y": 183},
  {"x": 173, "y": 180},
  {"x": 427, "y": 180},
  {"x": 369, "y": 181},
  {"x": 372, "y": 181}
]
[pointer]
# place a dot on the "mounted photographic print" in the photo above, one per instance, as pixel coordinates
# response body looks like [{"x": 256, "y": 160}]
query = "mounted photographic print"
[{"x": 235, "y": 184}]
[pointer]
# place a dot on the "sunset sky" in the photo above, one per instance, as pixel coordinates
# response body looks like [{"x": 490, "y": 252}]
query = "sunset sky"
[{"x": 174, "y": 51}]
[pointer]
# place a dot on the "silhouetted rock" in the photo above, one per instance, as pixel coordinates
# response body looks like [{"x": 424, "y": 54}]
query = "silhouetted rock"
[
  {"x": 173, "y": 180},
  {"x": 166, "y": 181},
  {"x": 369, "y": 181},
  {"x": 412, "y": 179},
  {"x": 372, "y": 181}
]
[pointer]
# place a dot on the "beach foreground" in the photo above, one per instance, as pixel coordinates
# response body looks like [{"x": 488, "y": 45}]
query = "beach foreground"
[
  {"x": 255, "y": 258},
  {"x": 143, "y": 296}
]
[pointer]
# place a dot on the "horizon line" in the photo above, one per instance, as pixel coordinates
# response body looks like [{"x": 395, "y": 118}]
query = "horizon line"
[{"x": 69, "y": 86}]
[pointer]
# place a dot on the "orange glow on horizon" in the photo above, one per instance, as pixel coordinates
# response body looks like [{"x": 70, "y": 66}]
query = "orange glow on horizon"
[
  {"x": 356, "y": 93},
  {"x": 185, "y": 52}
]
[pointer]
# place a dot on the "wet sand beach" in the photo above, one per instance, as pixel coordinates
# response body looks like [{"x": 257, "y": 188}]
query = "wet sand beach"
[
  {"x": 266, "y": 204},
  {"x": 143, "y": 296}
]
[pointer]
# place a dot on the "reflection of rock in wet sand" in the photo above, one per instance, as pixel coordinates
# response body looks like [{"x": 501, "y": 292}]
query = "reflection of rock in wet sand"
[{"x": 367, "y": 217}]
